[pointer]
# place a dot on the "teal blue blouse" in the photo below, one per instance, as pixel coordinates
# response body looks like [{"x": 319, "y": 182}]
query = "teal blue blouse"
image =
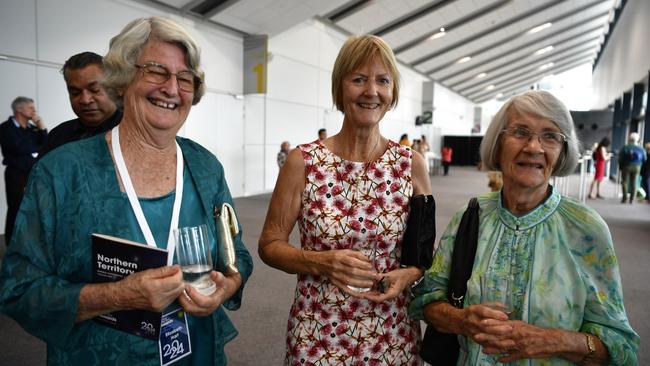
[
  {"x": 158, "y": 212},
  {"x": 565, "y": 272},
  {"x": 73, "y": 192}
]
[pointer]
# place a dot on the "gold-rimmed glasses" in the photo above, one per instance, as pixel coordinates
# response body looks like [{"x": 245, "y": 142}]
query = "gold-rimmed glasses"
[
  {"x": 156, "y": 73},
  {"x": 548, "y": 139}
]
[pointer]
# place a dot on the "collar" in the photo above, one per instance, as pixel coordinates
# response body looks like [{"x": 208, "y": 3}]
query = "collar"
[
  {"x": 105, "y": 126},
  {"x": 534, "y": 217}
]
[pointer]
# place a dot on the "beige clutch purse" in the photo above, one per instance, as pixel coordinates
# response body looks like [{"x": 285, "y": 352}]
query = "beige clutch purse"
[{"x": 227, "y": 228}]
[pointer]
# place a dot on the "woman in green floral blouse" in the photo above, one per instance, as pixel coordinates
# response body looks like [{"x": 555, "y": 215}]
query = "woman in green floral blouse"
[{"x": 566, "y": 301}]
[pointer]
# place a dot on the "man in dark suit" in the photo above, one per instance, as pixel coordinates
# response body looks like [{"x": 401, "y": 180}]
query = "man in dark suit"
[
  {"x": 20, "y": 142},
  {"x": 96, "y": 112}
]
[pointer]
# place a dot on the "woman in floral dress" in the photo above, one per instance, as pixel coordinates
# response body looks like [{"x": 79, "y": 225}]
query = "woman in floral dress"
[{"x": 349, "y": 195}]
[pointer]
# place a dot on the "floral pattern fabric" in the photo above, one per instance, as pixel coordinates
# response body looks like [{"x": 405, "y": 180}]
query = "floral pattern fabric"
[
  {"x": 564, "y": 269},
  {"x": 361, "y": 206}
]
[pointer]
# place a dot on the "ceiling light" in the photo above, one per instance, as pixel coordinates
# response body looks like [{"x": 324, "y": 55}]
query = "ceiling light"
[
  {"x": 481, "y": 75},
  {"x": 490, "y": 87},
  {"x": 464, "y": 59},
  {"x": 546, "y": 66},
  {"x": 543, "y": 50},
  {"x": 498, "y": 95},
  {"x": 438, "y": 35},
  {"x": 539, "y": 28}
]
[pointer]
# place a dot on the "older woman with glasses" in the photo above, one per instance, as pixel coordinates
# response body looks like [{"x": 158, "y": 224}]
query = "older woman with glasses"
[
  {"x": 565, "y": 302},
  {"x": 137, "y": 182}
]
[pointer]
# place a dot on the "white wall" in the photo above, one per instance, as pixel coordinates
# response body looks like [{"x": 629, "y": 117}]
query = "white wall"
[
  {"x": 626, "y": 58},
  {"x": 37, "y": 36},
  {"x": 298, "y": 101},
  {"x": 453, "y": 113}
]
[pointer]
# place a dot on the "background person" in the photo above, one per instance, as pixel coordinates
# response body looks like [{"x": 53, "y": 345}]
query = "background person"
[
  {"x": 322, "y": 134},
  {"x": 153, "y": 70},
  {"x": 446, "y": 152},
  {"x": 404, "y": 140},
  {"x": 630, "y": 159},
  {"x": 566, "y": 287},
  {"x": 20, "y": 142},
  {"x": 600, "y": 157},
  {"x": 645, "y": 173},
  {"x": 349, "y": 195},
  {"x": 96, "y": 112}
]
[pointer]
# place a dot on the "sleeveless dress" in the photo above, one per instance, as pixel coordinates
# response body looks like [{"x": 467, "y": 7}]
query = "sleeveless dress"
[
  {"x": 600, "y": 166},
  {"x": 346, "y": 205}
]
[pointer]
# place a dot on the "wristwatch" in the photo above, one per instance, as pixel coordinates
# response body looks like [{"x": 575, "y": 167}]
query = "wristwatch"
[{"x": 592, "y": 349}]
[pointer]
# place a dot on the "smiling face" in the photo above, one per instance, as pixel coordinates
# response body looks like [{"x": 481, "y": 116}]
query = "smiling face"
[
  {"x": 88, "y": 99},
  {"x": 527, "y": 164},
  {"x": 367, "y": 93},
  {"x": 158, "y": 106}
]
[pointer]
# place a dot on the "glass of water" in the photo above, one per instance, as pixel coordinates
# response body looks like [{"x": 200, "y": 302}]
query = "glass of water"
[
  {"x": 193, "y": 255},
  {"x": 370, "y": 251},
  {"x": 496, "y": 292}
]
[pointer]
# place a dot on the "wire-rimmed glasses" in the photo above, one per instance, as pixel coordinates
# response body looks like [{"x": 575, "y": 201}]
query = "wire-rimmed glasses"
[
  {"x": 156, "y": 73},
  {"x": 548, "y": 139}
]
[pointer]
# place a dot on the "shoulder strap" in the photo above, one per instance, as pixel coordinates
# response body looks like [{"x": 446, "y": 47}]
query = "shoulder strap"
[{"x": 462, "y": 260}]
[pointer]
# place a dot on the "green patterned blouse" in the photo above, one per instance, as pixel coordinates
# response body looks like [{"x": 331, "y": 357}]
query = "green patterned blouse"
[{"x": 564, "y": 269}]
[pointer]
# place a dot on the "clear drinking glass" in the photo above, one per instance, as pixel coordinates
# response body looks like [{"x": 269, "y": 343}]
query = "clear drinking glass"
[
  {"x": 496, "y": 292},
  {"x": 370, "y": 251},
  {"x": 193, "y": 255}
]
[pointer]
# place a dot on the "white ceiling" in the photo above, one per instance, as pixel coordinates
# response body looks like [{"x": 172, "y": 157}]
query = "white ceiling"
[{"x": 494, "y": 33}]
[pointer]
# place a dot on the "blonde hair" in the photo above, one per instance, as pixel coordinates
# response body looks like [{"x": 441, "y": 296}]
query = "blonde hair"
[
  {"x": 356, "y": 51},
  {"x": 125, "y": 48},
  {"x": 542, "y": 104}
]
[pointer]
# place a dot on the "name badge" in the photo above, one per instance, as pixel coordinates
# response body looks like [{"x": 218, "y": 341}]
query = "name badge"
[{"x": 174, "y": 341}]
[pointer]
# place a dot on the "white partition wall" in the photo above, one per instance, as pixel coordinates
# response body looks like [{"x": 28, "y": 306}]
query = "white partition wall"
[{"x": 37, "y": 36}]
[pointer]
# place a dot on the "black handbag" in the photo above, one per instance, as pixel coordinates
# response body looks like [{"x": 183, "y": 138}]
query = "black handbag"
[
  {"x": 420, "y": 234},
  {"x": 443, "y": 348}
]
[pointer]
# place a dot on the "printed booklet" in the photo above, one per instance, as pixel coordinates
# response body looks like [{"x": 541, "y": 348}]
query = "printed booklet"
[{"x": 115, "y": 258}]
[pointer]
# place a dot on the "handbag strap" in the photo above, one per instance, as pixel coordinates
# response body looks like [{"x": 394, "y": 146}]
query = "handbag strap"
[{"x": 462, "y": 260}]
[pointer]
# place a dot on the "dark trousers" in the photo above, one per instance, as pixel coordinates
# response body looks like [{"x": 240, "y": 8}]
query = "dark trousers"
[
  {"x": 15, "y": 182},
  {"x": 445, "y": 166}
]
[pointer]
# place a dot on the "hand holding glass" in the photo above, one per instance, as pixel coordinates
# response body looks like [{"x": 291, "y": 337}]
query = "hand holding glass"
[
  {"x": 495, "y": 292},
  {"x": 193, "y": 254},
  {"x": 370, "y": 251}
]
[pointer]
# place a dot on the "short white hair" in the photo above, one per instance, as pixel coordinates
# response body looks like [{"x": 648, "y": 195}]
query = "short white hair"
[
  {"x": 542, "y": 104},
  {"x": 125, "y": 48}
]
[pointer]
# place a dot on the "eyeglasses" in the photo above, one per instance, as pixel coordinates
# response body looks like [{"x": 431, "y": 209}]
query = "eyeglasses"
[
  {"x": 548, "y": 139},
  {"x": 158, "y": 74}
]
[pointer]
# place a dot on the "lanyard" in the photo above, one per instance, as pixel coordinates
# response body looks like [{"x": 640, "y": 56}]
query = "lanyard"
[{"x": 133, "y": 199}]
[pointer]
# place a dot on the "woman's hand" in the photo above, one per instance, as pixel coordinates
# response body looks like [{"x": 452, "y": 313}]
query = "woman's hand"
[
  {"x": 528, "y": 341},
  {"x": 346, "y": 268},
  {"x": 152, "y": 289},
  {"x": 394, "y": 282},
  {"x": 488, "y": 327},
  {"x": 197, "y": 304}
]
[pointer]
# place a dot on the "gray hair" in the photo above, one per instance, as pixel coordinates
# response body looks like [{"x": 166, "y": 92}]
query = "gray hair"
[
  {"x": 19, "y": 101},
  {"x": 542, "y": 104},
  {"x": 125, "y": 48},
  {"x": 633, "y": 138}
]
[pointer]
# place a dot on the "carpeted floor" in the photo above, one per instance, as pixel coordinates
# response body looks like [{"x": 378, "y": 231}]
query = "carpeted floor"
[{"x": 262, "y": 318}]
